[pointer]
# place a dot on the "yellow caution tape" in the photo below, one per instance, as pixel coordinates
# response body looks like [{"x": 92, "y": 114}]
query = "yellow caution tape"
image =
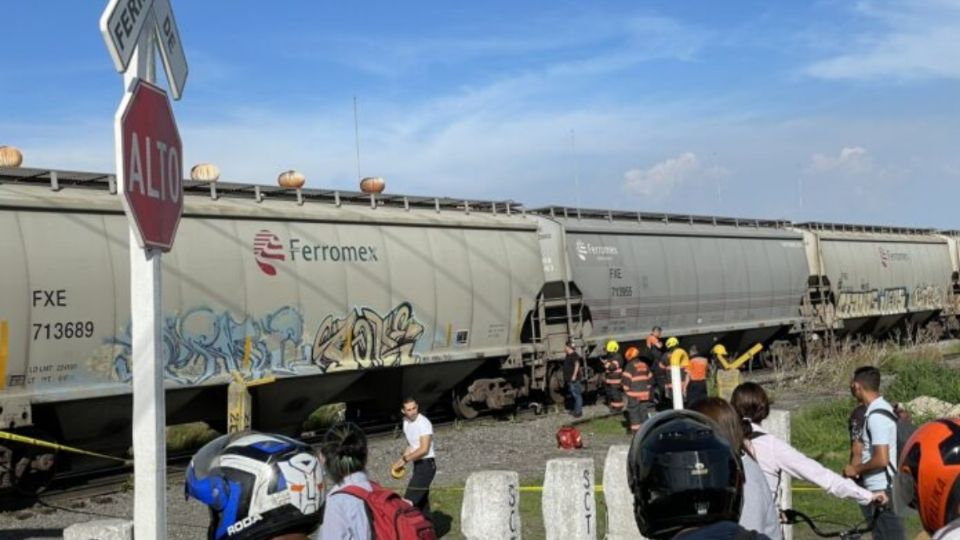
[{"x": 55, "y": 446}]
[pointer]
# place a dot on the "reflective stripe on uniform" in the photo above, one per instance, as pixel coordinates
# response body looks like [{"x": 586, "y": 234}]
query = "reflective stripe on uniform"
[{"x": 636, "y": 381}]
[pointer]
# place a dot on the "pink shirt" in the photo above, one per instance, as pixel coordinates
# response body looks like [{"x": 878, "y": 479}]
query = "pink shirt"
[{"x": 775, "y": 455}]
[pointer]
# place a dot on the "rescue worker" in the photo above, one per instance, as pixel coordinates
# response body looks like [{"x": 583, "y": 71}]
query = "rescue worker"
[
  {"x": 695, "y": 386},
  {"x": 673, "y": 355},
  {"x": 613, "y": 375},
  {"x": 723, "y": 376},
  {"x": 718, "y": 356},
  {"x": 637, "y": 385},
  {"x": 654, "y": 344}
]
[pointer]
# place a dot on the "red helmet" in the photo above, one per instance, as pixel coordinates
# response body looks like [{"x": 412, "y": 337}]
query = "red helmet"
[{"x": 929, "y": 473}]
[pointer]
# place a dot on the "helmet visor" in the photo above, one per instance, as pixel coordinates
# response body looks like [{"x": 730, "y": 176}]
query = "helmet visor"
[{"x": 206, "y": 458}]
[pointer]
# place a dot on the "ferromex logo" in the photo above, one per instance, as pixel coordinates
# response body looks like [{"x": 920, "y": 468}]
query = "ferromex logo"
[
  {"x": 268, "y": 249},
  {"x": 601, "y": 252},
  {"x": 887, "y": 256}
]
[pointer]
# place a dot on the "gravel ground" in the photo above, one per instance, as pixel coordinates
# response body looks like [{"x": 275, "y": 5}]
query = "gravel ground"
[{"x": 523, "y": 445}]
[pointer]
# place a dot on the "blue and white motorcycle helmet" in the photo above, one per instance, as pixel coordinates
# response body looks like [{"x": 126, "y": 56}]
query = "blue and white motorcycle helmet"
[{"x": 257, "y": 485}]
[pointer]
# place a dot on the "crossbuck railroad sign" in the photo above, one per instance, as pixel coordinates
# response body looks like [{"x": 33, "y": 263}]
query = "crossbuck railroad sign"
[{"x": 122, "y": 23}]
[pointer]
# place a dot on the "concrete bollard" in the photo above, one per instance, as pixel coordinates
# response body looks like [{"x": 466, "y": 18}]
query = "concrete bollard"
[
  {"x": 569, "y": 506},
  {"x": 621, "y": 524},
  {"x": 103, "y": 529},
  {"x": 778, "y": 425},
  {"x": 491, "y": 506}
]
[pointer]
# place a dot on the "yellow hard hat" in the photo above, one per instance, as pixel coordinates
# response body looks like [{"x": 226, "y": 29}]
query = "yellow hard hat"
[
  {"x": 612, "y": 346},
  {"x": 397, "y": 472},
  {"x": 719, "y": 350},
  {"x": 672, "y": 342}
]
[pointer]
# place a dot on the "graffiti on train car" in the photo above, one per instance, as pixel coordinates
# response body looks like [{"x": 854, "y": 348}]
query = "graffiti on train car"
[
  {"x": 891, "y": 300},
  {"x": 928, "y": 296},
  {"x": 368, "y": 339},
  {"x": 203, "y": 343}
]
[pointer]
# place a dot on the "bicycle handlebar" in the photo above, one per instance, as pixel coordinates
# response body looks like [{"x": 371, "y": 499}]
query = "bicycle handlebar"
[{"x": 795, "y": 516}]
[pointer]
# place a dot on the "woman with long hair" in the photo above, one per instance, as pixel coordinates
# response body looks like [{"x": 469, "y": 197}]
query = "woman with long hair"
[
  {"x": 759, "y": 512},
  {"x": 775, "y": 455}
]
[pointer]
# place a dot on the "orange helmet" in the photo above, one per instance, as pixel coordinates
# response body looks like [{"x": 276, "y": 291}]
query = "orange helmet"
[
  {"x": 631, "y": 353},
  {"x": 929, "y": 473}
]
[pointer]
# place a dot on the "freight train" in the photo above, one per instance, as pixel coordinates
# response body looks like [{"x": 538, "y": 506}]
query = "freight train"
[{"x": 358, "y": 298}]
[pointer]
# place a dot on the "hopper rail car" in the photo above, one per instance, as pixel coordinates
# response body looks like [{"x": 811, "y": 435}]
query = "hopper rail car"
[{"x": 357, "y": 298}]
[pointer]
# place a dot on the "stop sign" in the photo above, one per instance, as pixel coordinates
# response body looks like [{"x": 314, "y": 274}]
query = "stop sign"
[{"x": 149, "y": 165}]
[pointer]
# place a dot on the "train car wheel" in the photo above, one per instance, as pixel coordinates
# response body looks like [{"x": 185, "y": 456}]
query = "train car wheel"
[
  {"x": 463, "y": 408},
  {"x": 555, "y": 387},
  {"x": 25, "y": 468}
]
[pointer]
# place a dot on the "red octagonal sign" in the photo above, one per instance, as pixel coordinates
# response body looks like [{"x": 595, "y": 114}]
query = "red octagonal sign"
[{"x": 149, "y": 165}]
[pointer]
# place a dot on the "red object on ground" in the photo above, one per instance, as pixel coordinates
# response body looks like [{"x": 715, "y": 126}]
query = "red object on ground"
[{"x": 569, "y": 438}]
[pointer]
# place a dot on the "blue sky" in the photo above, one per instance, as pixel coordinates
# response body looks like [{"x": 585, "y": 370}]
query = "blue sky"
[{"x": 829, "y": 110}]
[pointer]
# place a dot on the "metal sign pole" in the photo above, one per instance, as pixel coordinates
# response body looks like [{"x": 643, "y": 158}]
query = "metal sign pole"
[
  {"x": 149, "y": 399},
  {"x": 130, "y": 31}
]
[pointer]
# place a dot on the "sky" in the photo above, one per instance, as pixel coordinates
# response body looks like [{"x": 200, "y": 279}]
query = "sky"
[{"x": 820, "y": 110}]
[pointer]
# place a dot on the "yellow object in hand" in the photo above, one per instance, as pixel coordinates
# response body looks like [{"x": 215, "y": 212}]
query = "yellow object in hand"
[{"x": 397, "y": 472}]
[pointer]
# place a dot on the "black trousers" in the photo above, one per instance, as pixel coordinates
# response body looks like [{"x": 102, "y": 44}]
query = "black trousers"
[
  {"x": 889, "y": 526},
  {"x": 696, "y": 391},
  {"x": 418, "y": 490}
]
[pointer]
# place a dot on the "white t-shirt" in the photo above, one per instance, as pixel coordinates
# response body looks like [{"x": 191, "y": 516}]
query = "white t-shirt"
[
  {"x": 879, "y": 429},
  {"x": 416, "y": 429}
]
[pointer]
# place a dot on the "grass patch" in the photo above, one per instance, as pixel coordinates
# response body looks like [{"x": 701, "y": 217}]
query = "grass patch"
[
  {"x": 924, "y": 377},
  {"x": 181, "y": 437},
  {"x": 608, "y": 425},
  {"x": 325, "y": 416}
]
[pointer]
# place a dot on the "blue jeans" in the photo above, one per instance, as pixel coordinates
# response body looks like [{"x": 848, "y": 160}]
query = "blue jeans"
[{"x": 576, "y": 392}]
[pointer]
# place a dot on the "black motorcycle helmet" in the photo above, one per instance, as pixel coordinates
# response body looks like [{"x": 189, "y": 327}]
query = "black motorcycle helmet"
[{"x": 682, "y": 474}]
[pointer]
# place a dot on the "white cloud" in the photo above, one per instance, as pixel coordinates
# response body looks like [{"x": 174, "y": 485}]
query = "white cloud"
[
  {"x": 596, "y": 44},
  {"x": 917, "y": 40},
  {"x": 852, "y": 160},
  {"x": 660, "y": 180}
]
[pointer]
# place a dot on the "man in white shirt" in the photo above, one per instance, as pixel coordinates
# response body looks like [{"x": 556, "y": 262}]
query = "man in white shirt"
[
  {"x": 419, "y": 433},
  {"x": 878, "y": 459}
]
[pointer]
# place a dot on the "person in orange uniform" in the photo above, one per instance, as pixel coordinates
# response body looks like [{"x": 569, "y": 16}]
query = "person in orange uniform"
[
  {"x": 637, "y": 384},
  {"x": 613, "y": 375},
  {"x": 695, "y": 385}
]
